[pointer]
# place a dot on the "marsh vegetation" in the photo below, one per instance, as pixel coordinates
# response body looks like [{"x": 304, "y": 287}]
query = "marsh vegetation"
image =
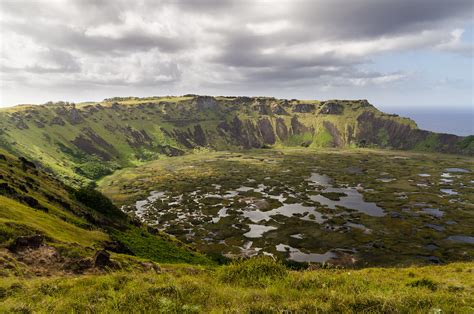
[{"x": 345, "y": 207}]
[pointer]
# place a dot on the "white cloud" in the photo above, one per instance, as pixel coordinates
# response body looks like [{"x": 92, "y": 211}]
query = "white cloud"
[
  {"x": 455, "y": 44},
  {"x": 202, "y": 44},
  {"x": 267, "y": 28}
]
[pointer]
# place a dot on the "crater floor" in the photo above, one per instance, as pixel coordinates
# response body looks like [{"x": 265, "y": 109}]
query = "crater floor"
[{"x": 362, "y": 207}]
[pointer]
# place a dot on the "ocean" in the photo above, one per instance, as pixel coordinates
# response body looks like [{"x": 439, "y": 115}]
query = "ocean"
[{"x": 442, "y": 121}]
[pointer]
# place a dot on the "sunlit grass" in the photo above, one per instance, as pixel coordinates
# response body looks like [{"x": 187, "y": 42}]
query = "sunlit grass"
[{"x": 183, "y": 288}]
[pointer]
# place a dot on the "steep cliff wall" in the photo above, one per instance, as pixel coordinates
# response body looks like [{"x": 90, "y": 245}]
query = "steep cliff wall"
[{"x": 92, "y": 139}]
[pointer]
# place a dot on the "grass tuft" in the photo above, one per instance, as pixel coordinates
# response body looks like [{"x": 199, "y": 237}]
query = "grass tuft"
[
  {"x": 260, "y": 271},
  {"x": 424, "y": 283}
]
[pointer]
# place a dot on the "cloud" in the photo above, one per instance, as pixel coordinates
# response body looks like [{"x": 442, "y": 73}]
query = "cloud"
[
  {"x": 455, "y": 44},
  {"x": 194, "y": 43}
]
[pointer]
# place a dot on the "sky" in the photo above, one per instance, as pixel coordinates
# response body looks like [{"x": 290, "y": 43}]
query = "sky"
[{"x": 403, "y": 54}]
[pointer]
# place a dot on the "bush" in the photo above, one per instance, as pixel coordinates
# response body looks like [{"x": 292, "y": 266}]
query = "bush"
[
  {"x": 257, "y": 271},
  {"x": 97, "y": 201},
  {"x": 94, "y": 170},
  {"x": 159, "y": 248}
]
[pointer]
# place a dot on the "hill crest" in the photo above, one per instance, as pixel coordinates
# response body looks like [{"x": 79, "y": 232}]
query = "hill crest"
[{"x": 90, "y": 140}]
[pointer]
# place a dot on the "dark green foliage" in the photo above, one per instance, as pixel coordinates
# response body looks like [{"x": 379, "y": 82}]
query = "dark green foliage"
[
  {"x": 6, "y": 189},
  {"x": 159, "y": 247},
  {"x": 219, "y": 258},
  {"x": 333, "y": 196},
  {"x": 94, "y": 170},
  {"x": 424, "y": 283},
  {"x": 75, "y": 154},
  {"x": 97, "y": 201},
  {"x": 362, "y": 143}
]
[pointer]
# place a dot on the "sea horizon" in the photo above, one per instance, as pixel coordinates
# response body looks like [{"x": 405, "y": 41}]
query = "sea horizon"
[{"x": 457, "y": 121}]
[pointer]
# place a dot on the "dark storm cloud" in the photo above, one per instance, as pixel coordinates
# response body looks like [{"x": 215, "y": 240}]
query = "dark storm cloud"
[
  {"x": 339, "y": 20},
  {"x": 373, "y": 18}
]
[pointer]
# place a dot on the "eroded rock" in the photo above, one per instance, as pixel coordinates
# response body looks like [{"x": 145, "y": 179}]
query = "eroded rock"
[
  {"x": 205, "y": 102},
  {"x": 266, "y": 130},
  {"x": 281, "y": 129},
  {"x": 279, "y": 110},
  {"x": 57, "y": 121},
  {"x": 25, "y": 242},
  {"x": 304, "y": 108},
  {"x": 102, "y": 260},
  {"x": 331, "y": 108}
]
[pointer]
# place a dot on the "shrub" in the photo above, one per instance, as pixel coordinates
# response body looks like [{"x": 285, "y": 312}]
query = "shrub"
[
  {"x": 159, "y": 248},
  {"x": 93, "y": 170},
  {"x": 97, "y": 201},
  {"x": 257, "y": 271}
]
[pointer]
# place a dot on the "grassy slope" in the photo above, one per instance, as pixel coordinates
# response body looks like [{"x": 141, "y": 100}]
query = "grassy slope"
[
  {"x": 261, "y": 286},
  {"x": 65, "y": 224},
  {"x": 42, "y": 143},
  {"x": 12, "y": 212}
]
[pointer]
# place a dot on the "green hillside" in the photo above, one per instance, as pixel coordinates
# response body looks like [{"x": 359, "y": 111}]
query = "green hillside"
[
  {"x": 74, "y": 224},
  {"x": 90, "y": 140}
]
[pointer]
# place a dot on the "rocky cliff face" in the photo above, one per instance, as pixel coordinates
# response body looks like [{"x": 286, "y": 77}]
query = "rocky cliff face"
[{"x": 94, "y": 138}]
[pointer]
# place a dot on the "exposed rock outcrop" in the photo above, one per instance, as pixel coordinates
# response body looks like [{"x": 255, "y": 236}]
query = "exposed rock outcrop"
[
  {"x": 304, "y": 108},
  {"x": 21, "y": 124},
  {"x": 102, "y": 260},
  {"x": 387, "y": 132},
  {"x": 137, "y": 138},
  {"x": 262, "y": 109},
  {"x": 25, "y": 242},
  {"x": 199, "y": 136},
  {"x": 279, "y": 110},
  {"x": 337, "y": 140},
  {"x": 87, "y": 146},
  {"x": 298, "y": 128},
  {"x": 205, "y": 102},
  {"x": 266, "y": 130},
  {"x": 74, "y": 116},
  {"x": 57, "y": 121},
  {"x": 281, "y": 129},
  {"x": 331, "y": 108}
]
